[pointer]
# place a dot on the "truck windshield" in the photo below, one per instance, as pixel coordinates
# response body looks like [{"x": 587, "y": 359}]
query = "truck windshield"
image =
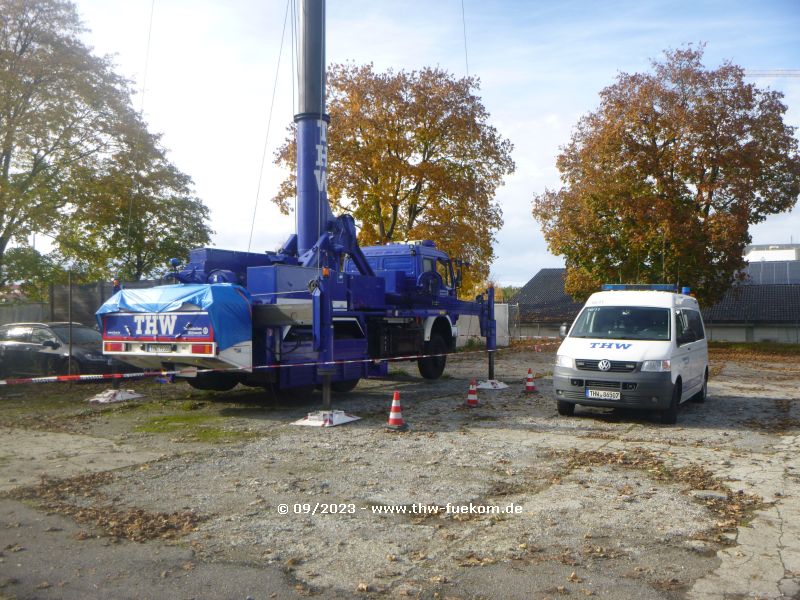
[{"x": 623, "y": 323}]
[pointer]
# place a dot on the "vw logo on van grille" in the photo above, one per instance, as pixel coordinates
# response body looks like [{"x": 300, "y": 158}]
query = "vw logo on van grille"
[{"x": 604, "y": 365}]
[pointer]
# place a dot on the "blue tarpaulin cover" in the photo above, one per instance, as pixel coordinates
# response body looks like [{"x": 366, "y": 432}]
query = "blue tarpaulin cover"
[{"x": 227, "y": 305}]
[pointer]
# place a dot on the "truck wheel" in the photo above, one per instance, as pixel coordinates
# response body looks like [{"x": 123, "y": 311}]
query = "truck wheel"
[
  {"x": 342, "y": 387},
  {"x": 215, "y": 382},
  {"x": 566, "y": 409},
  {"x": 703, "y": 393},
  {"x": 432, "y": 367},
  {"x": 669, "y": 416}
]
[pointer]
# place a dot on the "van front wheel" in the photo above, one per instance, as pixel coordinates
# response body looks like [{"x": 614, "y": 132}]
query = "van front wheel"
[{"x": 669, "y": 416}]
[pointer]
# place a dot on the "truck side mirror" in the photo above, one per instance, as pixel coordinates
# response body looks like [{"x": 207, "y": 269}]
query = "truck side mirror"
[
  {"x": 458, "y": 276},
  {"x": 562, "y": 331}
]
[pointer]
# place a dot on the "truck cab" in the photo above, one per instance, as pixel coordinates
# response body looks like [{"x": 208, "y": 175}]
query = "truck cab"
[
  {"x": 413, "y": 271},
  {"x": 638, "y": 347}
]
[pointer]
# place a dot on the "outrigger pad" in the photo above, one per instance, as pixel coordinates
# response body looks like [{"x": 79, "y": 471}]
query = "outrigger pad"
[
  {"x": 492, "y": 384},
  {"x": 326, "y": 418},
  {"x": 109, "y": 396}
]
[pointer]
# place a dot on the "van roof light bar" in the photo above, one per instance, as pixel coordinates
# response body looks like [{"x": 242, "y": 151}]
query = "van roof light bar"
[{"x": 657, "y": 287}]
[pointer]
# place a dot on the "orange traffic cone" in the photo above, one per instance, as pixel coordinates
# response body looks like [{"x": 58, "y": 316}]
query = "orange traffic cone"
[
  {"x": 472, "y": 396},
  {"x": 396, "y": 421},
  {"x": 530, "y": 384}
]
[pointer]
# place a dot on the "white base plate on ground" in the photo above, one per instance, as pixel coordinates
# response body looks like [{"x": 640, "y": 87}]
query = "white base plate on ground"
[
  {"x": 492, "y": 384},
  {"x": 326, "y": 418},
  {"x": 109, "y": 396}
]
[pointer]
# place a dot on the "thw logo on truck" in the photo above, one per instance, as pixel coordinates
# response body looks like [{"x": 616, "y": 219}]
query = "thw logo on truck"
[
  {"x": 610, "y": 345},
  {"x": 155, "y": 324}
]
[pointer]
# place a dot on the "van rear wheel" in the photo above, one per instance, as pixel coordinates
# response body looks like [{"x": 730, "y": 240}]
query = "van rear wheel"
[
  {"x": 701, "y": 396},
  {"x": 566, "y": 409}
]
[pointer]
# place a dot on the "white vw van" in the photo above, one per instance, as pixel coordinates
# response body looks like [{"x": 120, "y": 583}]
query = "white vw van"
[{"x": 634, "y": 346}]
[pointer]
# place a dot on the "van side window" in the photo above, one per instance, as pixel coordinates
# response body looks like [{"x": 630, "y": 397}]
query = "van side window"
[
  {"x": 696, "y": 323},
  {"x": 683, "y": 328}
]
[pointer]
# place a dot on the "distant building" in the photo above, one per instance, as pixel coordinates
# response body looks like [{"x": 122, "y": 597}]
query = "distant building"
[
  {"x": 764, "y": 272},
  {"x": 756, "y": 313},
  {"x": 542, "y": 305},
  {"x": 771, "y": 252},
  {"x": 765, "y": 307}
]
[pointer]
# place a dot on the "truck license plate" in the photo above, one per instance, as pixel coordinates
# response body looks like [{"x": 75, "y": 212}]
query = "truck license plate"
[
  {"x": 603, "y": 394},
  {"x": 159, "y": 347}
]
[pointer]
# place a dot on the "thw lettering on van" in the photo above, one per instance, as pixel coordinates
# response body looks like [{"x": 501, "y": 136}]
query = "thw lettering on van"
[{"x": 610, "y": 345}]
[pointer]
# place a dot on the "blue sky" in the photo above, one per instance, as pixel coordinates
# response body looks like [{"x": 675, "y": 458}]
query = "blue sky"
[{"x": 212, "y": 65}]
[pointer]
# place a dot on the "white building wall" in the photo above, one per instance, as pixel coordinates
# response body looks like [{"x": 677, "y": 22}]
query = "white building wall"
[
  {"x": 469, "y": 327},
  {"x": 769, "y": 254},
  {"x": 753, "y": 333}
]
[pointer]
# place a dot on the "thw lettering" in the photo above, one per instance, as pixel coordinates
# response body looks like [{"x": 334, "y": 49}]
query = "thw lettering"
[
  {"x": 321, "y": 172},
  {"x": 152, "y": 324},
  {"x": 609, "y": 345}
]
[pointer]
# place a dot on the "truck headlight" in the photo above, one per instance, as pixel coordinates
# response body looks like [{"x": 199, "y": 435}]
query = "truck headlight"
[
  {"x": 563, "y": 360},
  {"x": 656, "y": 366}
]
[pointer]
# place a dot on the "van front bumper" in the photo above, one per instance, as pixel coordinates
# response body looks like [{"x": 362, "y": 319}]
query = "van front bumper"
[{"x": 636, "y": 390}]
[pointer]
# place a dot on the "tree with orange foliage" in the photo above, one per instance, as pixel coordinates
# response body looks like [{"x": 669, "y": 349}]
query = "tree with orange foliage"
[
  {"x": 412, "y": 156},
  {"x": 663, "y": 180}
]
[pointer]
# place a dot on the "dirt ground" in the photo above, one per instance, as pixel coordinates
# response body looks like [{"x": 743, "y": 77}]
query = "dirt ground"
[{"x": 181, "y": 494}]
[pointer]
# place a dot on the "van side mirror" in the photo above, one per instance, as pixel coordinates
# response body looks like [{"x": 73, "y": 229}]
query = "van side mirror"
[{"x": 562, "y": 331}]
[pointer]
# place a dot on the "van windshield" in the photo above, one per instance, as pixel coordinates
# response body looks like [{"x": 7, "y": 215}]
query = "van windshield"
[{"x": 623, "y": 323}]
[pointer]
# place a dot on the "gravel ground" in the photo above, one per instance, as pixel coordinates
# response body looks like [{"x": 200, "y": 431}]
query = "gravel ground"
[{"x": 607, "y": 503}]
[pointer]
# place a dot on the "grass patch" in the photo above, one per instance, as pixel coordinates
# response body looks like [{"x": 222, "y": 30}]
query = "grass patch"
[
  {"x": 398, "y": 372},
  {"x": 540, "y": 345},
  {"x": 197, "y": 427},
  {"x": 175, "y": 423},
  {"x": 472, "y": 344}
]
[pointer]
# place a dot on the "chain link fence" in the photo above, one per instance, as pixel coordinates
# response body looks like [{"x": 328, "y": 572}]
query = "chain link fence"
[{"x": 86, "y": 298}]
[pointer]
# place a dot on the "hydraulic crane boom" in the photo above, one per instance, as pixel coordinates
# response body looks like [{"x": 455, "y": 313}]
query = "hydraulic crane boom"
[{"x": 320, "y": 311}]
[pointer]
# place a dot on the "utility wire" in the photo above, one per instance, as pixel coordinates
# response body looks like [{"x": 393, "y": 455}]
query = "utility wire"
[
  {"x": 464, "y": 28},
  {"x": 141, "y": 111},
  {"x": 147, "y": 56},
  {"x": 269, "y": 124}
]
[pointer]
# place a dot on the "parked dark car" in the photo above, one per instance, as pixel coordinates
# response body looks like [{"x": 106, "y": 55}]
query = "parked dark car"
[{"x": 36, "y": 349}]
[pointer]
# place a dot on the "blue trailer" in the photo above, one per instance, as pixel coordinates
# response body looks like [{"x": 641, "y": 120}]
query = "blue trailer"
[{"x": 322, "y": 311}]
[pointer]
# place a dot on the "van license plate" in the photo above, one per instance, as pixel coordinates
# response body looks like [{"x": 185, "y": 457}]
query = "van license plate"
[
  {"x": 603, "y": 394},
  {"x": 159, "y": 347}
]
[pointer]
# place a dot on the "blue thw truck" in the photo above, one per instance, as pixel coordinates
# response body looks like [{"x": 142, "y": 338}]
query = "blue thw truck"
[{"x": 321, "y": 311}]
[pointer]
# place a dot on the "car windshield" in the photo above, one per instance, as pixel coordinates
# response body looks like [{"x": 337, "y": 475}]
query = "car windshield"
[
  {"x": 622, "y": 323},
  {"x": 80, "y": 335}
]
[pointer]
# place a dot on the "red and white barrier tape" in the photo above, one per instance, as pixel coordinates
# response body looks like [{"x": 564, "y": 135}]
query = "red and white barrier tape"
[{"x": 193, "y": 371}]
